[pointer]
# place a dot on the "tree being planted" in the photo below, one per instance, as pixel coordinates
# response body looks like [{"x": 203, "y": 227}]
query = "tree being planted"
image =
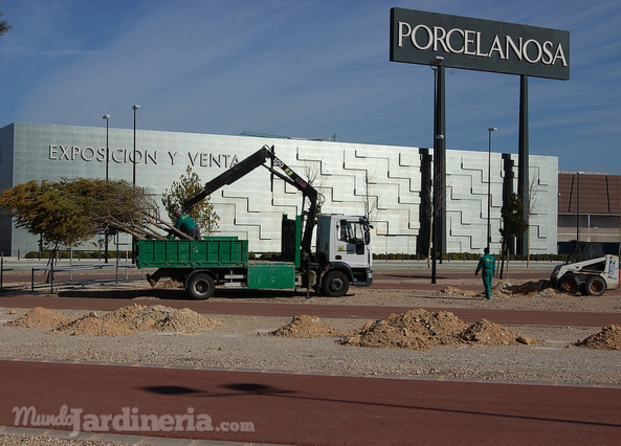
[
  {"x": 514, "y": 224},
  {"x": 203, "y": 212},
  {"x": 69, "y": 212}
]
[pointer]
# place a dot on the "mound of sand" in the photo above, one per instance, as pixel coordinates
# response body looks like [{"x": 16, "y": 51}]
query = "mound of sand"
[
  {"x": 161, "y": 318},
  {"x": 421, "y": 330},
  {"x": 607, "y": 339},
  {"x": 454, "y": 291},
  {"x": 94, "y": 325},
  {"x": 484, "y": 332},
  {"x": 417, "y": 329},
  {"x": 39, "y": 317},
  {"x": 124, "y": 321},
  {"x": 541, "y": 288},
  {"x": 128, "y": 320},
  {"x": 504, "y": 289},
  {"x": 305, "y": 327}
]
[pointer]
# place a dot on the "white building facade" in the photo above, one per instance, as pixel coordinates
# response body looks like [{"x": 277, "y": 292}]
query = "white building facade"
[{"x": 385, "y": 182}]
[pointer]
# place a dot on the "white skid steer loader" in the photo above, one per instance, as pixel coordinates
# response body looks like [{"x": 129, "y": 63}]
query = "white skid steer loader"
[{"x": 587, "y": 270}]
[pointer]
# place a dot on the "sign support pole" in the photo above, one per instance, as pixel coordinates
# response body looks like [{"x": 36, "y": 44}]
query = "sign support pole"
[
  {"x": 439, "y": 170},
  {"x": 523, "y": 159}
]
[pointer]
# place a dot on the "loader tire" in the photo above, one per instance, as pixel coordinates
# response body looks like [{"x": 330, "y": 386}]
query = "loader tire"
[
  {"x": 569, "y": 283},
  {"x": 595, "y": 286}
]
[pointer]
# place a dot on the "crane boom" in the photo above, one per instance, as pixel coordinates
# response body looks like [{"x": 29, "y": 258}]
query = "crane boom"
[{"x": 249, "y": 164}]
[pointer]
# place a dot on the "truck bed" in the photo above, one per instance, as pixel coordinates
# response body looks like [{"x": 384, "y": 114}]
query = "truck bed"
[{"x": 211, "y": 252}]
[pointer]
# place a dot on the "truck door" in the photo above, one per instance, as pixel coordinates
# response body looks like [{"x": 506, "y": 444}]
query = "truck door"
[{"x": 351, "y": 243}]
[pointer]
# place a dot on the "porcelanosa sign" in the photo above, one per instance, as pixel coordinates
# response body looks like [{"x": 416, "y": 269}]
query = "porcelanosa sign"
[{"x": 420, "y": 37}]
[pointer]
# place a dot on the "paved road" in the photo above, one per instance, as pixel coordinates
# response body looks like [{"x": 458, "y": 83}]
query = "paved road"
[
  {"x": 319, "y": 410},
  {"x": 104, "y": 302},
  {"x": 387, "y": 274},
  {"x": 395, "y": 278}
]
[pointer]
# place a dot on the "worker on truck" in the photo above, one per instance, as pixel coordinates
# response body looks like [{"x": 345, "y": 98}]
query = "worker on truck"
[{"x": 186, "y": 225}]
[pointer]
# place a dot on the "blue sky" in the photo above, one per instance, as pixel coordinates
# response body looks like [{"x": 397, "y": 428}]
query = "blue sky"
[{"x": 305, "y": 69}]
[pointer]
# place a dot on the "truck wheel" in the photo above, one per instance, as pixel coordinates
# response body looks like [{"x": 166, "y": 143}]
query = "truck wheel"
[
  {"x": 595, "y": 286},
  {"x": 201, "y": 286},
  {"x": 336, "y": 284},
  {"x": 569, "y": 283}
]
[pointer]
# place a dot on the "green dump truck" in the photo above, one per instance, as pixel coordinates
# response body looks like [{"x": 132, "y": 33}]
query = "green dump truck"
[{"x": 342, "y": 253}]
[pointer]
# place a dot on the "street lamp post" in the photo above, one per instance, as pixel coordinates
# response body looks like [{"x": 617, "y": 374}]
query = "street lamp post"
[
  {"x": 436, "y": 235},
  {"x": 134, "y": 107},
  {"x": 578, "y": 208},
  {"x": 489, "y": 184},
  {"x": 107, "y": 118}
]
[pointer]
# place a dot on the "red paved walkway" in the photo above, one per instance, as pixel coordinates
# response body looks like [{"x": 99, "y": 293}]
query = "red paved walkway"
[{"x": 321, "y": 410}]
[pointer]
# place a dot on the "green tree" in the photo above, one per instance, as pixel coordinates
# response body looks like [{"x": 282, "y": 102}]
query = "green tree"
[
  {"x": 514, "y": 224},
  {"x": 69, "y": 212},
  {"x": 203, "y": 213},
  {"x": 4, "y": 25}
]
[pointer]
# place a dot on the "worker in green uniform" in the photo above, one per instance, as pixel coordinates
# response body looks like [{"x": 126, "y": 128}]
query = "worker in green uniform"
[
  {"x": 187, "y": 225},
  {"x": 487, "y": 263}
]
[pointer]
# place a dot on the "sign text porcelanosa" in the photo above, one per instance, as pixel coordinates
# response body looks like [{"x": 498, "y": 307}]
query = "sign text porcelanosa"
[
  {"x": 418, "y": 37},
  {"x": 61, "y": 152}
]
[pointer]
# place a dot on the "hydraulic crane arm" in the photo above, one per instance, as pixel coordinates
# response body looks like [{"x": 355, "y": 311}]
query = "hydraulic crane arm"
[
  {"x": 230, "y": 176},
  {"x": 246, "y": 166}
]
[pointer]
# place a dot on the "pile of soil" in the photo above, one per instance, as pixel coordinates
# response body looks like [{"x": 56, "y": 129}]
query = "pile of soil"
[
  {"x": 95, "y": 325},
  {"x": 421, "y": 330},
  {"x": 484, "y": 332},
  {"x": 541, "y": 288},
  {"x": 305, "y": 327},
  {"x": 417, "y": 329},
  {"x": 169, "y": 284},
  {"x": 607, "y": 339},
  {"x": 39, "y": 317},
  {"x": 124, "y": 321},
  {"x": 504, "y": 289},
  {"x": 454, "y": 291}
]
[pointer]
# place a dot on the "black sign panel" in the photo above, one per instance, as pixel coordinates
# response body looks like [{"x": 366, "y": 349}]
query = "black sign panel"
[{"x": 424, "y": 37}]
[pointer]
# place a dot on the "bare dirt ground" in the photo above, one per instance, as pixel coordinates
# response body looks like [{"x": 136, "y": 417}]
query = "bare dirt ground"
[{"x": 417, "y": 343}]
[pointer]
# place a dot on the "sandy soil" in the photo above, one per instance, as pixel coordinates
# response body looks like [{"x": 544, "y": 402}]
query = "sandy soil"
[{"x": 415, "y": 344}]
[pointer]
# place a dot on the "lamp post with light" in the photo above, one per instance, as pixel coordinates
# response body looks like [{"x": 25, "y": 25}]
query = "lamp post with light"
[
  {"x": 578, "y": 207},
  {"x": 134, "y": 107},
  {"x": 489, "y": 183},
  {"x": 107, "y": 118}
]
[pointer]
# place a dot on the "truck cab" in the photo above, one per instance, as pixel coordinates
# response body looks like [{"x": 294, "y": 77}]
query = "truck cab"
[{"x": 343, "y": 245}]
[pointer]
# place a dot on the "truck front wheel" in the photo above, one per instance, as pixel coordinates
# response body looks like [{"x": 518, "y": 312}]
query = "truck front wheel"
[
  {"x": 201, "y": 286},
  {"x": 336, "y": 284}
]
